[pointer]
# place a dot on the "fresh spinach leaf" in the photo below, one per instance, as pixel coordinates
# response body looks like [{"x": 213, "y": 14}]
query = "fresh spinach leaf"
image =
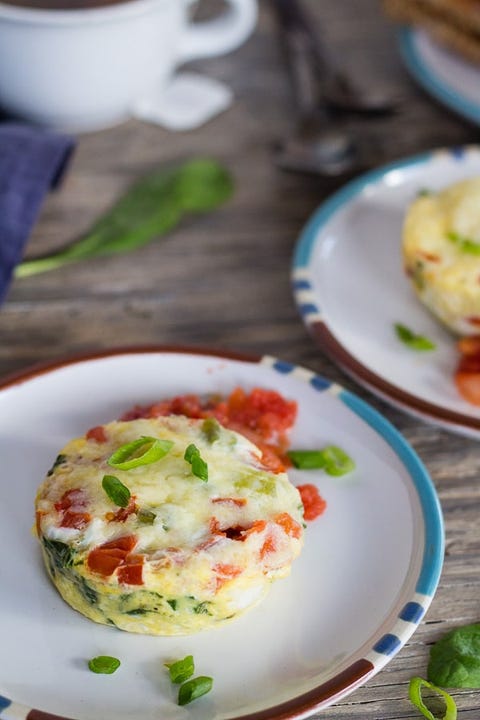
[
  {"x": 455, "y": 658},
  {"x": 150, "y": 209}
]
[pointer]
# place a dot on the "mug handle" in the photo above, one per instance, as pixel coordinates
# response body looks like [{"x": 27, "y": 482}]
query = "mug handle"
[{"x": 221, "y": 35}]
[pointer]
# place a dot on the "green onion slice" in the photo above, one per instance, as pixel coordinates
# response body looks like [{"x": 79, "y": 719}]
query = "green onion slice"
[
  {"x": 144, "y": 451},
  {"x": 465, "y": 244},
  {"x": 146, "y": 516},
  {"x": 412, "y": 340},
  {"x": 193, "y": 689},
  {"x": 104, "y": 664},
  {"x": 116, "y": 490},
  {"x": 181, "y": 670},
  {"x": 332, "y": 459},
  {"x": 211, "y": 429},
  {"x": 199, "y": 466},
  {"x": 415, "y": 695}
]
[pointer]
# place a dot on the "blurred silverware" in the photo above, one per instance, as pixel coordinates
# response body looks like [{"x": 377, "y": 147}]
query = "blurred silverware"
[{"x": 322, "y": 95}]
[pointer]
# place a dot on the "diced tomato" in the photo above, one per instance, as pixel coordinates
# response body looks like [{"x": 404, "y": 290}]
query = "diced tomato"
[
  {"x": 474, "y": 320},
  {"x": 225, "y": 572},
  {"x": 469, "y": 345},
  {"x": 106, "y": 558},
  {"x": 215, "y": 527},
  {"x": 257, "y": 527},
  {"x": 97, "y": 433},
  {"x": 126, "y": 542},
  {"x": 290, "y": 526},
  {"x": 467, "y": 374},
  {"x": 313, "y": 503},
  {"x": 264, "y": 416},
  {"x": 75, "y": 497},
  {"x": 239, "y": 502},
  {"x": 72, "y": 508},
  {"x": 123, "y": 513},
  {"x": 269, "y": 545},
  {"x": 468, "y": 385},
  {"x": 264, "y": 410},
  {"x": 104, "y": 562},
  {"x": 271, "y": 459},
  {"x": 77, "y": 520},
  {"x": 131, "y": 572},
  {"x": 431, "y": 257}
]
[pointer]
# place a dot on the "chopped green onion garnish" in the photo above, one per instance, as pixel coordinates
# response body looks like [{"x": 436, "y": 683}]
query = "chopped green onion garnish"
[
  {"x": 116, "y": 490},
  {"x": 193, "y": 689},
  {"x": 465, "y": 244},
  {"x": 144, "y": 451},
  {"x": 181, "y": 670},
  {"x": 104, "y": 664},
  {"x": 211, "y": 429},
  {"x": 415, "y": 695},
  {"x": 199, "y": 466},
  {"x": 425, "y": 192},
  {"x": 412, "y": 340},
  {"x": 333, "y": 460},
  {"x": 146, "y": 516}
]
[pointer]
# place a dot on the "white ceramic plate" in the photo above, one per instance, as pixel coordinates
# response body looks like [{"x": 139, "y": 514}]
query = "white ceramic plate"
[
  {"x": 446, "y": 76},
  {"x": 351, "y": 289},
  {"x": 366, "y": 576}
]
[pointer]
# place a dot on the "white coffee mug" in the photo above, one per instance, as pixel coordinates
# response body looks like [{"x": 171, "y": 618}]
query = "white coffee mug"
[{"x": 85, "y": 69}]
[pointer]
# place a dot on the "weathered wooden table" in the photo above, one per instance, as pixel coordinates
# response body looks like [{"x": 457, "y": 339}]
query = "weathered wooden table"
[{"x": 222, "y": 280}]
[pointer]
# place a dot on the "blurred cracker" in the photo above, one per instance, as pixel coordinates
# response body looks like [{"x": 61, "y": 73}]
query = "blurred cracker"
[{"x": 452, "y": 23}]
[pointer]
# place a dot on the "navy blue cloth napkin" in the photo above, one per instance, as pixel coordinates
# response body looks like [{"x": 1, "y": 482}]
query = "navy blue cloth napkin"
[{"x": 32, "y": 161}]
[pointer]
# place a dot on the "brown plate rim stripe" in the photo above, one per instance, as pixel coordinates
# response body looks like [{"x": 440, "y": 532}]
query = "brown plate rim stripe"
[
  {"x": 327, "y": 342},
  {"x": 42, "y": 368},
  {"x": 40, "y": 715},
  {"x": 305, "y": 704}
]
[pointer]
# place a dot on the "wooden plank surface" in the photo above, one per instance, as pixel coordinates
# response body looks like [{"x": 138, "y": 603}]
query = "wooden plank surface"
[{"x": 223, "y": 280}]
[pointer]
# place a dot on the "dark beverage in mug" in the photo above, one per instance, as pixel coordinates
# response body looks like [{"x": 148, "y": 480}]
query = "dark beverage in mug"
[{"x": 61, "y": 4}]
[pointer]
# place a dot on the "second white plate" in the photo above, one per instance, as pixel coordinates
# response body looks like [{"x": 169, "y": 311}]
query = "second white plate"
[
  {"x": 446, "y": 76},
  {"x": 351, "y": 289}
]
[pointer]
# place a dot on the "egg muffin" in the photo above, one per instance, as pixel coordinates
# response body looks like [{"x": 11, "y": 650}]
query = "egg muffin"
[
  {"x": 441, "y": 251},
  {"x": 166, "y": 526}
]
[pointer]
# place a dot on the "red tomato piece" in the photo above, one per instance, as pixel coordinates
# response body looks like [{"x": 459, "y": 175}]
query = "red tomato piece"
[
  {"x": 469, "y": 345},
  {"x": 75, "y": 497},
  {"x": 77, "y": 520},
  {"x": 105, "y": 562},
  {"x": 239, "y": 502},
  {"x": 123, "y": 513},
  {"x": 131, "y": 570},
  {"x": 269, "y": 545},
  {"x": 313, "y": 503},
  {"x": 225, "y": 572},
  {"x": 257, "y": 527},
  {"x": 126, "y": 543},
  {"x": 97, "y": 433},
  {"x": 468, "y": 385},
  {"x": 290, "y": 526}
]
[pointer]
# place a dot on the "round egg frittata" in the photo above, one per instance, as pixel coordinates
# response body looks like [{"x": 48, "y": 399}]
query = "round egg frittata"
[
  {"x": 441, "y": 251},
  {"x": 172, "y": 544}
]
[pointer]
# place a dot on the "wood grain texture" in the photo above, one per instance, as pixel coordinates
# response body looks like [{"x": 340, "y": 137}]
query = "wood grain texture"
[{"x": 222, "y": 280}]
